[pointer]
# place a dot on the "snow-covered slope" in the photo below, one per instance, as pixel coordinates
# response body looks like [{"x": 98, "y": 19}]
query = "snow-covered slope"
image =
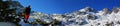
[{"x": 84, "y": 17}]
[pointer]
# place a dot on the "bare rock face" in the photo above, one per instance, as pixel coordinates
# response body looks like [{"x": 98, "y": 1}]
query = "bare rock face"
[
  {"x": 110, "y": 24},
  {"x": 91, "y": 17},
  {"x": 80, "y": 13},
  {"x": 115, "y": 10}
]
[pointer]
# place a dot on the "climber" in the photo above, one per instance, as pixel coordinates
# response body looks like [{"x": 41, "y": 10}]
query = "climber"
[{"x": 27, "y": 13}]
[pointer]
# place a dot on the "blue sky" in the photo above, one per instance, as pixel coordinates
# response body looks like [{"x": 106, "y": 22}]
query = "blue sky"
[{"x": 64, "y": 6}]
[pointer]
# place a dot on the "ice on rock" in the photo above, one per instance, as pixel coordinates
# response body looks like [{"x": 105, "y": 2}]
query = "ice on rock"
[
  {"x": 57, "y": 17},
  {"x": 83, "y": 17}
]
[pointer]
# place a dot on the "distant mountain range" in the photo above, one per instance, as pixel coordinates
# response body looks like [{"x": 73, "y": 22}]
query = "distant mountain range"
[{"x": 84, "y": 17}]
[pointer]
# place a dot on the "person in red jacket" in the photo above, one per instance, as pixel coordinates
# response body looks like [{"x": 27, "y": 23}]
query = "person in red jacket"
[{"x": 27, "y": 14}]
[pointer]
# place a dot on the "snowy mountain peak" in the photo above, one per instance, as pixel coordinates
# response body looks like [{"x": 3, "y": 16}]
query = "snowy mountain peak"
[
  {"x": 106, "y": 11},
  {"x": 87, "y": 9},
  {"x": 116, "y": 9}
]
